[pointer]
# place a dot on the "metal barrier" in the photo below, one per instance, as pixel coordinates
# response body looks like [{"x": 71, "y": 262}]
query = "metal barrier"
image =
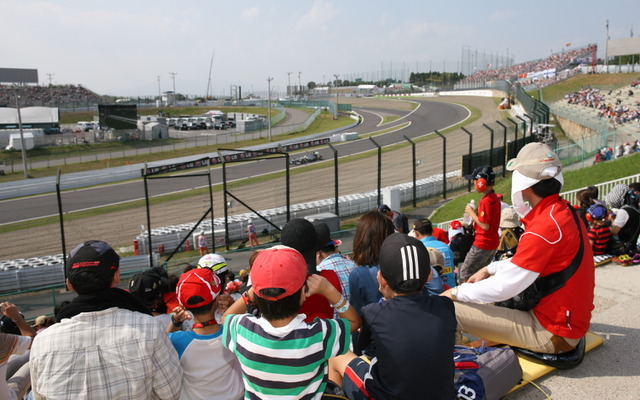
[
  {"x": 41, "y": 272},
  {"x": 169, "y": 237}
]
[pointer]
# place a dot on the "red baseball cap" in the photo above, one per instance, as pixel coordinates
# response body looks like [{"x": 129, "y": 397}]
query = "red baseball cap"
[
  {"x": 198, "y": 282},
  {"x": 279, "y": 267}
]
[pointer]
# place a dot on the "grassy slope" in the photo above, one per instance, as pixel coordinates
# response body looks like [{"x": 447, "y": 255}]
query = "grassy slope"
[{"x": 575, "y": 179}]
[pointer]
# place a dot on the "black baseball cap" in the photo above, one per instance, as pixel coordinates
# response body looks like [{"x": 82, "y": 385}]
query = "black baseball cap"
[{"x": 404, "y": 263}]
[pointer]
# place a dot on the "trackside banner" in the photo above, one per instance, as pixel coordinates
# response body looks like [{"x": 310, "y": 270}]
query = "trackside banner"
[{"x": 240, "y": 155}]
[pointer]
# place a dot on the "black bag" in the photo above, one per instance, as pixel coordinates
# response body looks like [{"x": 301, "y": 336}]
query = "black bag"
[
  {"x": 545, "y": 285},
  {"x": 616, "y": 247}
]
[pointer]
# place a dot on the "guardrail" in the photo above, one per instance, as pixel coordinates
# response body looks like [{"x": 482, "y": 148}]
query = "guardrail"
[{"x": 40, "y": 272}]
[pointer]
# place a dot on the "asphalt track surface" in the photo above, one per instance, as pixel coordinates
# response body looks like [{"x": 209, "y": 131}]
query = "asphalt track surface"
[
  {"x": 428, "y": 117},
  {"x": 119, "y": 228}
]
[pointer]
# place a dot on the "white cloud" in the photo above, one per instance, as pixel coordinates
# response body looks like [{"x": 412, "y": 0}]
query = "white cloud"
[
  {"x": 321, "y": 13},
  {"x": 250, "y": 14}
]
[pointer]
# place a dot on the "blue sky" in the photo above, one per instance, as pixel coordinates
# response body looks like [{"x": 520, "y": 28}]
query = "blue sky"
[{"x": 121, "y": 47}]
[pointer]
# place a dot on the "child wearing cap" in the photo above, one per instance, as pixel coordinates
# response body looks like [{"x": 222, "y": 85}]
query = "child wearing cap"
[
  {"x": 599, "y": 232},
  {"x": 210, "y": 370},
  {"x": 414, "y": 334},
  {"x": 281, "y": 355},
  {"x": 217, "y": 264}
]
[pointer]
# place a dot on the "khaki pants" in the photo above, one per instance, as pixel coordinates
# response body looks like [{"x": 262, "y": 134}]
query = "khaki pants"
[{"x": 504, "y": 325}]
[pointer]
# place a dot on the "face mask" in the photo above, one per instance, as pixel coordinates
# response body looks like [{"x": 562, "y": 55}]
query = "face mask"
[{"x": 519, "y": 204}]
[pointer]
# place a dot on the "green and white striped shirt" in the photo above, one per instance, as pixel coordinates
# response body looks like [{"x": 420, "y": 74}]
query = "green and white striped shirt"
[{"x": 285, "y": 363}]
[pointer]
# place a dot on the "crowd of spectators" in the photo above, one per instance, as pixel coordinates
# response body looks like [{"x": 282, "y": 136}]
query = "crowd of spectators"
[
  {"x": 204, "y": 334},
  {"x": 48, "y": 96},
  {"x": 618, "y": 106},
  {"x": 519, "y": 72}
]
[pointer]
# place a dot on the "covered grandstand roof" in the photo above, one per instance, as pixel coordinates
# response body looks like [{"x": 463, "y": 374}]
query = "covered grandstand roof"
[{"x": 30, "y": 115}]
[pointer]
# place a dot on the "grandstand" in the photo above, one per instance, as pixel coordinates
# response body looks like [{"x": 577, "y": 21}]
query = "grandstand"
[{"x": 541, "y": 72}]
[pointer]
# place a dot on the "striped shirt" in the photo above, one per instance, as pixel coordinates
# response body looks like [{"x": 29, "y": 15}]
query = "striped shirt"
[
  {"x": 288, "y": 362},
  {"x": 600, "y": 235}
]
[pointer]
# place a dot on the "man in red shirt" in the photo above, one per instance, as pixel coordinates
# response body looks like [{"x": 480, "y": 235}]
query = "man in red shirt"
[
  {"x": 486, "y": 223},
  {"x": 549, "y": 244}
]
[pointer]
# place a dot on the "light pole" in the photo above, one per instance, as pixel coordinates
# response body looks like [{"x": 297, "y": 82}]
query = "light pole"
[
  {"x": 159, "y": 91},
  {"x": 173, "y": 77},
  {"x": 23, "y": 149},
  {"x": 289, "y": 85},
  {"x": 299, "y": 82},
  {"x": 269, "y": 106},
  {"x": 337, "y": 95}
]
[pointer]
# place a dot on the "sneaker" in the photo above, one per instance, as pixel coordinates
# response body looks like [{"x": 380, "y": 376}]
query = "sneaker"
[
  {"x": 636, "y": 259},
  {"x": 623, "y": 260}
]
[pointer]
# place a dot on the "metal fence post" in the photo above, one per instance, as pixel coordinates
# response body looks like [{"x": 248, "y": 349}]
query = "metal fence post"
[
  {"x": 504, "y": 151},
  {"x": 490, "y": 145},
  {"x": 335, "y": 177},
  {"x": 524, "y": 127},
  {"x": 379, "y": 170},
  {"x": 515, "y": 142},
  {"x": 413, "y": 167},
  {"x": 444, "y": 164},
  {"x": 470, "y": 152}
]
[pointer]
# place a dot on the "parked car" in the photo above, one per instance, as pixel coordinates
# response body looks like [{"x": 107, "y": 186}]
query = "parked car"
[{"x": 219, "y": 125}]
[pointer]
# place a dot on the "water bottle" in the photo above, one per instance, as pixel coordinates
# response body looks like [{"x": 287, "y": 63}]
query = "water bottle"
[{"x": 467, "y": 220}]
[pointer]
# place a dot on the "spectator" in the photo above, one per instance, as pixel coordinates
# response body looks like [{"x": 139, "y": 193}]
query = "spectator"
[
  {"x": 14, "y": 388},
  {"x": 146, "y": 286},
  {"x": 88, "y": 356},
  {"x": 330, "y": 259},
  {"x": 510, "y": 232},
  {"x": 599, "y": 232},
  {"x": 210, "y": 370},
  {"x": 486, "y": 223},
  {"x": 584, "y": 202},
  {"x": 217, "y": 264},
  {"x": 400, "y": 221},
  {"x": 460, "y": 241},
  {"x": 253, "y": 237},
  {"x": 373, "y": 228},
  {"x": 552, "y": 239},
  {"x": 280, "y": 353},
  {"x": 410, "y": 368},
  {"x": 423, "y": 229},
  {"x": 301, "y": 235},
  {"x": 626, "y": 225},
  {"x": 203, "y": 244}
]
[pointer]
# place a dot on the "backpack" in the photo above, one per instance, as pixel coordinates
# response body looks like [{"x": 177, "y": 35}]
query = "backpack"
[{"x": 485, "y": 373}]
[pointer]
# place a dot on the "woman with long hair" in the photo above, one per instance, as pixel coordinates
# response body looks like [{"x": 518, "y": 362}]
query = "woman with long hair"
[{"x": 373, "y": 227}]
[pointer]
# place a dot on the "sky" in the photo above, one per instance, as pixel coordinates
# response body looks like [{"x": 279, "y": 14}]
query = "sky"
[{"x": 144, "y": 47}]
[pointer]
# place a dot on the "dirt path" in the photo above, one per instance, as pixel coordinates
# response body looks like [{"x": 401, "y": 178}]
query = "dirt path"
[{"x": 120, "y": 228}]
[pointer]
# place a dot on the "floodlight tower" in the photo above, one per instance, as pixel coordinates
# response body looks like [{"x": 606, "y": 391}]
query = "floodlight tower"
[
  {"x": 173, "y": 77},
  {"x": 289, "y": 85},
  {"x": 269, "y": 105}
]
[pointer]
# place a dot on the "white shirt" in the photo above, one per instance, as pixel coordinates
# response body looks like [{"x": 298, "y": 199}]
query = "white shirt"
[
  {"x": 21, "y": 347},
  {"x": 506, "y": 281},
  {"x": 110, "y": 354}
]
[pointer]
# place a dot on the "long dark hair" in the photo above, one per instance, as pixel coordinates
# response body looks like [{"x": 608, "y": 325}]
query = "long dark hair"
[{"x": 373, "y": 228}]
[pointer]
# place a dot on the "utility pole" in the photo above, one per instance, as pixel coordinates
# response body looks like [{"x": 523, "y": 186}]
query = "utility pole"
[
  {"x": 173, "y": 77},
  {"x": 159, "y": 91},
  {"x": 269, "y": 106},
  {"x": 23, "y": 149},
  {"x": 337, "y": 95},
  {"x": 50, "y": 76},
  {"x": 606, "y": 50},
  {"x": 289, "y": 85}
]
